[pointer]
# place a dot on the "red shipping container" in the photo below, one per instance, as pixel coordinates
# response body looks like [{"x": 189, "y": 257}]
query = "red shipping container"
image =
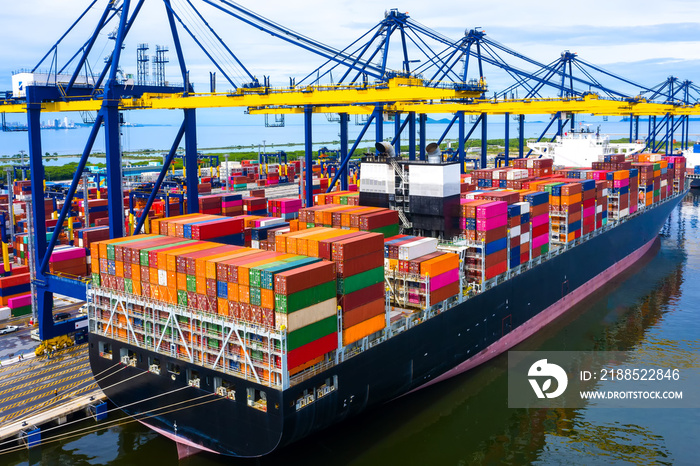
[
  {"x": 496, "y": 270},
  {"x": 445, "y": 292},
  {"x": 14, "y": 280},
  {"x": 362, "y": 313},
  {"x": 540, "y": 230},
  {"x": 380, "y": 219},
  {"x": 360, "y": 264},
  {"x": 312, "y": 350},
  {"x": 301, "y": 278},
  {"x": 223, "y": 227},
  {"x": 360, "y": 297},
  {"x": 355, "y": 247}
]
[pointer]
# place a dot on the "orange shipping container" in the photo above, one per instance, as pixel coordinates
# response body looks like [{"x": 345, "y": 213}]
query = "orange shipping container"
[
  {"x": 233, "y": 291},
  {"x": 291, "y": 238},
  {"x": 136, "y": 287},
  {"x": 306, "y": 365},
  {"x": 222, "y": 306},
  {"x": 621, "y": 174},
  {"x": 267, "y": 298},
  {"x": 181, "y": 279},
  {"x": 172, "y": 255},
  {"x": 153, "y": 275},
  {"x": 219, "y": 252},
  {"x": 439, "y": 265},
  {"x": 210, "y": 264},
  {"x": 201, "y": 285},
  {"x": 135, "y": 272},
  {"x": 244, "y": 294},
  {"x": 363, "y": 329}
]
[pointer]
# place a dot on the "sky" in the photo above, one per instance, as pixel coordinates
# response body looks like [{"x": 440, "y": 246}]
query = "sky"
[{"x": 639, "y": 39}]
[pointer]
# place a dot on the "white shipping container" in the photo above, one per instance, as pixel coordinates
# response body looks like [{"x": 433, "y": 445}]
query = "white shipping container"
[
  {"x": 516, "y": 174},
  {"x": 524, "y": 238},
  {"x": 5, "y": 313},
  {"x": 271, "y": 221},
  {"x": 306, "y": 316},
  {"x": 514, "y": 232},
  {"x": 524, "y": 207},
  {"x": 162, "y": 277},
  {"x": 417, "y": 248}
]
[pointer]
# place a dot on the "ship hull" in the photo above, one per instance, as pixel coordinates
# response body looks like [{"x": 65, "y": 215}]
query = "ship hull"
[{"x": 443, "y": 346}]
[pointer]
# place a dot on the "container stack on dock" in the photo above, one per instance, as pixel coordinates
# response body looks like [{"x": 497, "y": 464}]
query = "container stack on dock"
[
  {"x": 286, "y": 208},
  {"x": 255, "y": 205},
  {"x": 14, "y": 286},
  {"x": 69, "y": 260},
  {"x": 231, "y": 205}
]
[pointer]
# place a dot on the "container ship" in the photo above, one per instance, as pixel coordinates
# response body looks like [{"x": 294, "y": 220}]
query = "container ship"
[{"x": 240, "y": 334}]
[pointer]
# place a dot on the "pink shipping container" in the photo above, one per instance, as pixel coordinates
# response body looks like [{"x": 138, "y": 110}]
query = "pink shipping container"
[
  {"x": 492, "y": 209},
  {"x": 19, "y": 301},
  {"x": 540, "y": 241},
  {"x": 67, "y": 254},
  {"x": 486, "y": 224},
  {"x": 540, "y": 220},
  {"x": 444, "y": 279}
]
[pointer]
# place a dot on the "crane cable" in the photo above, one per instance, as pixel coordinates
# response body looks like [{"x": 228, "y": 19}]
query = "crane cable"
[
  {"x": 116, "y": 422},
  {"x": 50, "y": 404}
]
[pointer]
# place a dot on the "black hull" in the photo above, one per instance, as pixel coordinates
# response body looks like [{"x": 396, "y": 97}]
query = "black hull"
[{"x": 439, "y": 347}]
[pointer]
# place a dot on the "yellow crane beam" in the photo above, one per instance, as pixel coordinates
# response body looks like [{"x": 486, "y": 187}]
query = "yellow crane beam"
[
  {"x": 398, "y": 95},
  {"x": 588, "y": 104},
  {"x": 396, "y": 90}
]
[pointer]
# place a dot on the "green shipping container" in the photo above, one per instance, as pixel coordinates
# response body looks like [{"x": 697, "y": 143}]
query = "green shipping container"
[
  {"x": 182, "y": 298},
  {"x": 95, "y": 279},
  {"x": 129, "y": 285},
  {"x": 362, "y": 280},
  {"x": 22, "y": 311},
  {"x": 388, "y": 231},
  {"x": 312, "y": 332},
  {"x": 255, "y": 296},
  {"x": 305, "y": 298},
  {"x": 191, "y": 281}
]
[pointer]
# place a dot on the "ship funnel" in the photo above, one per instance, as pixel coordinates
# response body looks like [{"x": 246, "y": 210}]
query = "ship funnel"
[
  {"x": 384, "y": 148},
  {"x": 434, "y": 153}
]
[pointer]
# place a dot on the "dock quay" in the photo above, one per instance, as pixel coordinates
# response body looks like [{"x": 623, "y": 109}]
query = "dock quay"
[{"x": 41, "y": 392}]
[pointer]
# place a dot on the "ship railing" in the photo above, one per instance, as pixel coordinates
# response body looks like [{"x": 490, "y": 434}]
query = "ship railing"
[{"x": 311, "y": 371}]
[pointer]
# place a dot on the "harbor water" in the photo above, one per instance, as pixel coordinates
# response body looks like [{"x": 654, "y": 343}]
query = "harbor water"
[{"x": 653, "y": 307}]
